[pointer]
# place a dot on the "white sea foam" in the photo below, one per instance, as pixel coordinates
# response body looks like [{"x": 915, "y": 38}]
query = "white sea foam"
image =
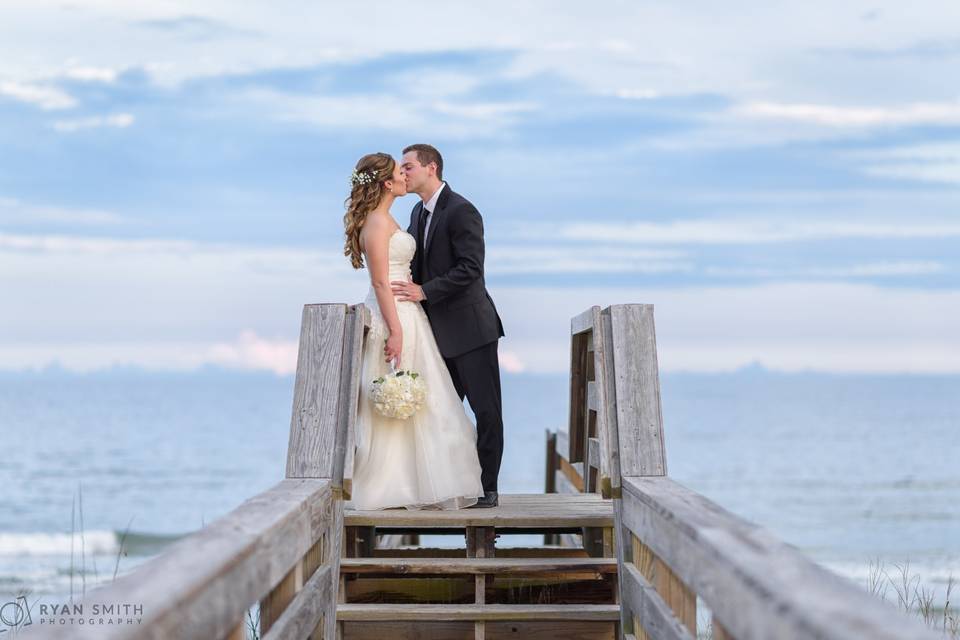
[{"x": 35, "y": 543}]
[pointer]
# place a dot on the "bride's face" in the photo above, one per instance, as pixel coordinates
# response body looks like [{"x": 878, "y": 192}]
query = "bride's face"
[{"x": 397, "y": 185}]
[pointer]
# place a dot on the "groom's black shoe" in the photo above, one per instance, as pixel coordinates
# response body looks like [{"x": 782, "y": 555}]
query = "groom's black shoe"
[{"x": 489, "y": 499}]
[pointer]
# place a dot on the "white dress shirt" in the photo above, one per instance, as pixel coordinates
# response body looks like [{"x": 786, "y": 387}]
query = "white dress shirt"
[{"x": 429, "y": 206}]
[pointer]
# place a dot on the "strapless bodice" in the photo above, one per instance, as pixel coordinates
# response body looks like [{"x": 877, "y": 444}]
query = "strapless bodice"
[{"x": 402, "y": 248}]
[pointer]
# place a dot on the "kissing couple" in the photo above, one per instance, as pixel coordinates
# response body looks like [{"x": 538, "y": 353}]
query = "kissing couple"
[{"x": 431, "y": 314}]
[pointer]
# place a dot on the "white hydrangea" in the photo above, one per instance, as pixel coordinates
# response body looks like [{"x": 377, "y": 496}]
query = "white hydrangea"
[{"x": 399, "y": 394}]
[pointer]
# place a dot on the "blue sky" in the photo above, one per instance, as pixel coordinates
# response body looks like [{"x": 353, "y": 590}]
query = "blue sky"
[{"x": 781, "y": 181}]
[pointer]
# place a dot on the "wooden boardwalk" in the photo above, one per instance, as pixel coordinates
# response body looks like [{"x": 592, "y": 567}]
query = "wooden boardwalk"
[
  {"x": 526, "y": 512},
  {"x": 626, "y": 553}
]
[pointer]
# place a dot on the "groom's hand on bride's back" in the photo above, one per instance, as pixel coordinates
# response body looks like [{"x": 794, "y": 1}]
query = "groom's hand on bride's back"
[{"x": 407, "y": 290}]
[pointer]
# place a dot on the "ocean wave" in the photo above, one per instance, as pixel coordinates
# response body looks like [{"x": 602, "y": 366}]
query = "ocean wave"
[{"x": 95, "y": 542}]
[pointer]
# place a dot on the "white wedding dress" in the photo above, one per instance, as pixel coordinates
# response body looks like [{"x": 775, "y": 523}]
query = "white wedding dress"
[{"x": 430, "y": 459}]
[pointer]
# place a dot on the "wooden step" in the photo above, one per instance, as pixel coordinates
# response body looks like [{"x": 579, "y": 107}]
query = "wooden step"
[
  {"x": 479, "y": 566},
  {"x": 523, "y": 511},
  {"x": 487, "y": 612},
  {"x": 546, "y": 551}
]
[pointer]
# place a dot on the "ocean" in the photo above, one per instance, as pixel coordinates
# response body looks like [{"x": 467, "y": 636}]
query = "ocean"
[{"x": 851, "y": 469}]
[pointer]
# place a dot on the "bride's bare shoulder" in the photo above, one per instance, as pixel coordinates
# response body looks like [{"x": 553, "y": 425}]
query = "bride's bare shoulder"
[{"x": 376, "y": 230}]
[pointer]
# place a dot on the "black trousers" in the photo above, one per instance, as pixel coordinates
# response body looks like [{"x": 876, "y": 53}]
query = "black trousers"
[{"x": 476, "y": 374}]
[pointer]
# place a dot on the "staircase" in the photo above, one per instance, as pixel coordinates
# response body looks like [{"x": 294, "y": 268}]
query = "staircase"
[{"x": 487, "y": 588}]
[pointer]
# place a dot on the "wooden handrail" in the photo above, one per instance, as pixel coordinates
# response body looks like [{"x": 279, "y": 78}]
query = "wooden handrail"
[
  {"x": 672, "y": 544},
  {"x": 757, "y": 586},
  {"x": 280, "y": 548},
  {"x": 203, "y": 585}
]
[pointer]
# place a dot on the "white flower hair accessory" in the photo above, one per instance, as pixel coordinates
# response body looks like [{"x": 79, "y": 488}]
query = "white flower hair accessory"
[{"x": 362, "y": 177}]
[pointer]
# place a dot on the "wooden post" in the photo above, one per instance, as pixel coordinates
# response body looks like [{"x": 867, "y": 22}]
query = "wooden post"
[
  {"x": 550, "y": 482},
  {"x": 480, "y": 580},
  {"x": 625, "y": 396},
  {"x": 325, "y": 400}
]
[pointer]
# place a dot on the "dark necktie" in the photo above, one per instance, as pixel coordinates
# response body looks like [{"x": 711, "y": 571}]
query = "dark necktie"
[{"x": 420, "y": 233}]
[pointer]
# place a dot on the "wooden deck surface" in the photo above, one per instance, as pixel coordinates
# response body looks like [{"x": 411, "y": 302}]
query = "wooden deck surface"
[{"x": 519, "y": 510}]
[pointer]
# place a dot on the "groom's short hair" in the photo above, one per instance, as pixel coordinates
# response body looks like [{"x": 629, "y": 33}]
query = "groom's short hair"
[{"x": 426, "y": 154}]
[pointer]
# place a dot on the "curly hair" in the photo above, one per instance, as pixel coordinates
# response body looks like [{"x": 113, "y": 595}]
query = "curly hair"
[{"x": 364, "y": 197}]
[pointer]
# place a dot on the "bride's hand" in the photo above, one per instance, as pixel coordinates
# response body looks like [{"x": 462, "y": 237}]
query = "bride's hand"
[{"x": 393, "y": 347}]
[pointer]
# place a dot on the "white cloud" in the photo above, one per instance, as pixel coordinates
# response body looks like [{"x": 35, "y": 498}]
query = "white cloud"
[
  {"x": 738, "y": 49},
  {"x": 13, "y": 211},
  {"x": 510, "y": 361},
  {"x": 936, "y": 162},
  {"x": 637, "y": 94},
  {"x": 901, "y": 268},
  {"x": 943, "y": 113},
  {"x": 514, "y": 259},
  {"x": 747, "y": 231},
  {"x": 75, "y": 71},
  {"x": 46, "y": 97},
  {"x": 250, "y": 351},
  {"x": 93, "y": 302},
  {"x": 484, "y": 110},
  {"x": 404, "y": 112},
  {"x": 116, "y": 120},
  {"x": 834, "y": 327}
]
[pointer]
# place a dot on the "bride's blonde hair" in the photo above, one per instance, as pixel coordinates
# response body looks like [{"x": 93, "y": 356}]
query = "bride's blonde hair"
[{"x": 365, "y": 195}]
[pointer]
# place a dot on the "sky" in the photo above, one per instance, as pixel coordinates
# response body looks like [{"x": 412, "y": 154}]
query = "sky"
[{"x": 780, "y": 180}]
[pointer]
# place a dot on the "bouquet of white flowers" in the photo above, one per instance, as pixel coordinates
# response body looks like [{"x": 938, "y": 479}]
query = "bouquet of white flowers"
[{"x": 399, "y": 394}]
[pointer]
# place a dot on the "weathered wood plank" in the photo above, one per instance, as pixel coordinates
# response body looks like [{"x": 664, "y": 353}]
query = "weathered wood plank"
[
  {"x": 607, "y": 429},
  {"x": 583, "y": 321},
  {"x": 509, "y": 630},
  {"x": 577, "y": 423},
  {"x": 593, "y": 453},
  {"x": 647, "y": 606},
  {"x": 563, "y": 445},
  {"x": 573, "y": 472},
  {"x": 333, "y": 555},
  {"x": 564, "y": 485},
  {"x": 205, "y": 582},
  {"x": 239, "y": 632},
  {"x": 757, "y": 585},
  {"x": 551, "y": 458},
  {"x": 515, "y": 510},
  {"x": 364, "y": 314},
  {"x": 719, "y": 633},
  {"x": 553, "y": 551},
  {"x": 549, "y": 483},
  {"x": 304, "y": 613},
  {"x": 477, "y": 612},
  {"x": 353, "y": 339},
  {"x": 316, "y": 393},
  {"x": 273, "y": 604},
  {"x": 637, "y": 384},
  {"x": 468, "y": 566}
]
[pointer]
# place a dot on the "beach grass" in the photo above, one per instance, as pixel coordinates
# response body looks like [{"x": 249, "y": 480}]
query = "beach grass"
[{"x": 904, "y": 589}]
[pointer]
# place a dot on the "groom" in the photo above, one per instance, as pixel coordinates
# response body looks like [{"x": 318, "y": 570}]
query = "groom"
[{"x": 449, "y": 267}]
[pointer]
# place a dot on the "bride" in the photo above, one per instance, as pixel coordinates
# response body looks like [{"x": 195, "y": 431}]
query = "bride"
[{"x": 429, "y": 460}]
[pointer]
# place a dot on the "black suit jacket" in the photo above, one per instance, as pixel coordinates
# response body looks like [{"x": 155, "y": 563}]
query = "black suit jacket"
[{"x": 450, "y": 271}]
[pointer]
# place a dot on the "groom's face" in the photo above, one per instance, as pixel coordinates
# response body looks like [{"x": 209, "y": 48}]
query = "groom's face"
[{"x": 416, "y": 173}]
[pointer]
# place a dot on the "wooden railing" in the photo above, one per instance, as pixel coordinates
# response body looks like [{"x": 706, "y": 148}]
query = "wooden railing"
[
  {"x": 674, "y": 546},
  {"x": 280, "y": 548}
]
